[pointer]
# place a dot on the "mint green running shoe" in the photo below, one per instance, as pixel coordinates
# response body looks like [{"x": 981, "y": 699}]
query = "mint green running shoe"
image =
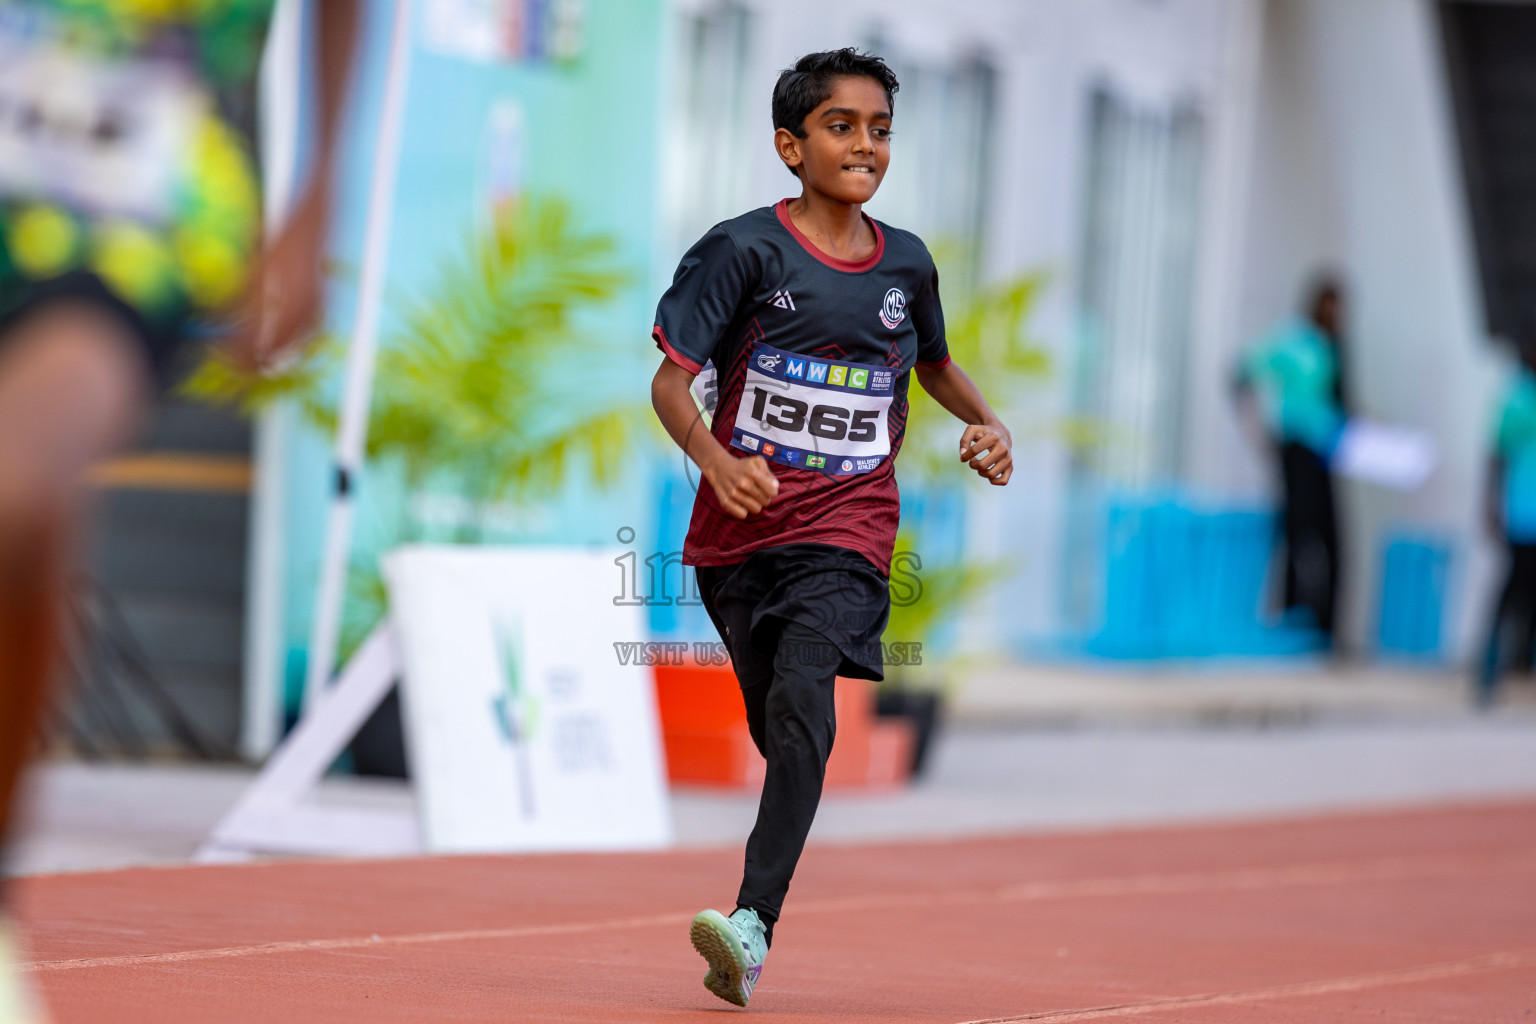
[{"x": 735, "y": 948}]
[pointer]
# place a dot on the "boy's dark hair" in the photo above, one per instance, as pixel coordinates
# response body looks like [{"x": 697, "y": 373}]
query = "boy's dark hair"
[{"x": 807, "y": 85}]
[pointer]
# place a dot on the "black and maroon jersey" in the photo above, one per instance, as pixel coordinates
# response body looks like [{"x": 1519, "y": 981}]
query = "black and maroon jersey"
[{"x": 813, "y": 355}]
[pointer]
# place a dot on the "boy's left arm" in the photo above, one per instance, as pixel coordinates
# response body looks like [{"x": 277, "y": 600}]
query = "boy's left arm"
[{"x": 986, "y": 443}]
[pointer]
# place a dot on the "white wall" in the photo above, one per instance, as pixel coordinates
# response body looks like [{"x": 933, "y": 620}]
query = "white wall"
[
  {"x": 1355, "y": 169},
  {"x": 1155, "y": 54}
]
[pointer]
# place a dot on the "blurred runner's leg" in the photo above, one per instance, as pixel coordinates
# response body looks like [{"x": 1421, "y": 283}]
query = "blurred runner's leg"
[
  {"x": 110, "y": 240},
  {"x": 72, "y": 386}
]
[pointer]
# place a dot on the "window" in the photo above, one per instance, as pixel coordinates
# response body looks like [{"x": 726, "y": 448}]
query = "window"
[
  {"x": 941, "y": 154},
  {"x": 1136, "y": 286},
  {"x": 1134, "y": 297},
  {"x": 715, "y": 134}
]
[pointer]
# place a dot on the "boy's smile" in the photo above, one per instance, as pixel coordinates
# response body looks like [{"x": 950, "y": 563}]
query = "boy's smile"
[{"x": 847, "y": 146}]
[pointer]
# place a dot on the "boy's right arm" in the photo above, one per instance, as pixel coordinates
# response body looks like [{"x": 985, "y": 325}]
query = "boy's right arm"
[{"x": 744, "y": 487}]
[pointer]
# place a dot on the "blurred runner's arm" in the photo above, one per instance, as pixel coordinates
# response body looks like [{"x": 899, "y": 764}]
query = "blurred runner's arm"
[
  {"x": 986, "y": 444},
  {"x": 743, "y": 486},
  {"x": 285, "y": 295}
]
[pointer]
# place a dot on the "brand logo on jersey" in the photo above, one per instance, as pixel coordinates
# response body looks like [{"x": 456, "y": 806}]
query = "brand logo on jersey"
[
  {"x": 858, "y": 378},
  {"x": 749, "y": 441},
  {"x": 769, "y": 449},
  {"x": 769, "y": 363},
  {"x": 894, "y": 310},
  {"x": 816, "y": 461},
  {"x": 782, "y": 300},
  {"x": 847, "y": 465},
  {"x": 838, "y": 375},
  {"x": 791, "y": 456},
  {"x": 816, "y": 373},
  {"x": 794, "y": 368}
]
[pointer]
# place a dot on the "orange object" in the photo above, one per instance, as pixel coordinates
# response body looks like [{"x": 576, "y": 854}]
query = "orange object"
[
  {"x": 704, "y": 730},
  {"x": 704, "y": 726}
]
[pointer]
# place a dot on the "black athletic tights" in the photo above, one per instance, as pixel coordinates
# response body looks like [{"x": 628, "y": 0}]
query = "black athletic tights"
[
  {"x": 791, "y": 717},
  {"x": 1311, "y": 524}
]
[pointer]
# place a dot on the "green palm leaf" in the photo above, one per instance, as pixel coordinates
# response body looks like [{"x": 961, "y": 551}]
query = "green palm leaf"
[{"x": 480, "y": 389}]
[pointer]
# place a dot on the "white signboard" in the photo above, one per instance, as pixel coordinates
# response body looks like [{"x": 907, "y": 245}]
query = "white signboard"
[
  {"x": 524, "y": 731},
  {"x": 1394, "y": 457}
]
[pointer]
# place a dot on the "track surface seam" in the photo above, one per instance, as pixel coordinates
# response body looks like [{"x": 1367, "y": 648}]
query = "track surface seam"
[
  {"x": 1237, "y": 880},
  {"x": 1355, "y": 983}
]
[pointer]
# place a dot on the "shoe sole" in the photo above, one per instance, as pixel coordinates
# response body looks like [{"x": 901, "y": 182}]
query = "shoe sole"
[{"x": 717, "y": 942}]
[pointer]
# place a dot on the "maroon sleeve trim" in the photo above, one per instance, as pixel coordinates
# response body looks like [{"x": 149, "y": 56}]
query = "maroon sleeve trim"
[
  {"x": 927, "y": 365},
  {"x": 673, "y": 354}
]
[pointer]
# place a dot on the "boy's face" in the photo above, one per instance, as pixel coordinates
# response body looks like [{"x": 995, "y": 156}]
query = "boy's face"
[{"x": 848, "y": 142}]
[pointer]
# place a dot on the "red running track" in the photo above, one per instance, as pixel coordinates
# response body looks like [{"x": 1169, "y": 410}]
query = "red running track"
[{"x": 1421, "y": 916}]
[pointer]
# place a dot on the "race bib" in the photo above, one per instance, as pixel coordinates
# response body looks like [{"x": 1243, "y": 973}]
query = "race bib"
[
  {"x": 108, "y": 137},
  {"x": 817, "y": 414}
]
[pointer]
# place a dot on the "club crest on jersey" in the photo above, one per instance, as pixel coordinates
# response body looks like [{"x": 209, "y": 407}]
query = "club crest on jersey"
[
  {"x": 769, "y": 362},
  {"x": 894, "y": 310}
]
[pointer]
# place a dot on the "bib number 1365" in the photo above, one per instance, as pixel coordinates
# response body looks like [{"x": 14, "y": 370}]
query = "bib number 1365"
[
  {"x": 815, "y": 414},
  {"x": 826, "y": 421}
]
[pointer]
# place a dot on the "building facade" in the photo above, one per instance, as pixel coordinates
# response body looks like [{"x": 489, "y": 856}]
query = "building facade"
[{"x": 1176, "y": 169}]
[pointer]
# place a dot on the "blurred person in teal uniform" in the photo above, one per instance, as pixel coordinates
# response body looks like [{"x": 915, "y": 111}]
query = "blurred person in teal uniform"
[
  {"x": 129, "y": 213},
  {"x": 1296, "y": 376},
  {"x": 1510, "y": 514}
]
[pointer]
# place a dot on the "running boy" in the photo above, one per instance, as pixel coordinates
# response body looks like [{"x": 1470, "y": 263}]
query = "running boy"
[{"x": 814, "y": 316}]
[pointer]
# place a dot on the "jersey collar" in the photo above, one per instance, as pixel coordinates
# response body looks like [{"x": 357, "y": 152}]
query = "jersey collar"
[{"x": 847, "y": 266}]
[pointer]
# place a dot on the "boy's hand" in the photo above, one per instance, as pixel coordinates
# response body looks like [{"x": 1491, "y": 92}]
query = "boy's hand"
[
  {"x": 989, "y": 450},
  {"x": 744, "y": 487},
  {"x": 986, "y": 445}
]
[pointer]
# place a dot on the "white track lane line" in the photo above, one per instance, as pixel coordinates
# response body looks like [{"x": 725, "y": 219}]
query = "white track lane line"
[
  {"x": 1355, "y": 983},
  {"x": 1186, "y": 883}
]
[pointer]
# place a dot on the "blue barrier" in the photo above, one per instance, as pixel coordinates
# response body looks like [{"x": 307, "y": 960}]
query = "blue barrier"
[
  {"x": 1179, "y": 581},
  {"x": 1415, "y": 576},
  {"x": 1182, "y": 582}
]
